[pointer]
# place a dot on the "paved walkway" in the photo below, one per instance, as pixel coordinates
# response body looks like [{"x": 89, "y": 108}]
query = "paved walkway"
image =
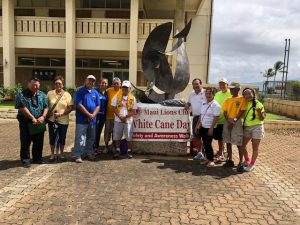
[{"x": 148, "y": 189}]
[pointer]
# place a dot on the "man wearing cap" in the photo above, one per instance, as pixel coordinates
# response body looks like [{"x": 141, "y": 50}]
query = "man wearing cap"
[
  {"x": 87, "y": 106},
  {"x": 124, "y": 105},
  {"x": 220, "y": 97},
  {"x": 110, "y": 115},
  {"x": 32, "y": 111},
  {"x": 234, "y": 108},
  {"x": 195, "y": 102}
]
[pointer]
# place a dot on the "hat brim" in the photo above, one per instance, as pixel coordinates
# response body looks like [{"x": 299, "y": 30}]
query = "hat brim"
[{"x": 234, "y": 87}]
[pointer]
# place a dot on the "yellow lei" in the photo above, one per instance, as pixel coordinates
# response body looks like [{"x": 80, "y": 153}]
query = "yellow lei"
[{"x": 130, "y": 102}]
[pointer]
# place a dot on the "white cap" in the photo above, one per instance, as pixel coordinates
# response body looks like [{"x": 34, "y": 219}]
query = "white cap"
[
  {"x": 91, "y": 77},
  {"x": 126, "y": 83},
  {"x": 224, "y": 80}
]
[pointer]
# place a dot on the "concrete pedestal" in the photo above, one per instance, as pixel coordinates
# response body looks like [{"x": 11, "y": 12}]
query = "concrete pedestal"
[{"x": 162, "y": 130}]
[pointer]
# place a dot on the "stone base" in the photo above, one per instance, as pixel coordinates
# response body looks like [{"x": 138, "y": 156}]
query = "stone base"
[{"x": 170, "y": 148}]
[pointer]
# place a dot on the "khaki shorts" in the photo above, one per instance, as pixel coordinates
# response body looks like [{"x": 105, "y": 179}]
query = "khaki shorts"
[
  {"x": 108, "y": 130},
  {"x": 235, "y": 135},
  {"x": 123, "y": 128},
  {"x": 255, "y": 132}
]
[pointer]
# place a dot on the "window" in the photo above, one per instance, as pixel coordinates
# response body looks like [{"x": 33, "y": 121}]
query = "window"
[
  {"x": 42, "y": 61},
  {"x": 27, "y": 61},
  {"x": 111, "y": 63},
  {"x": 58, "y": 62},
  {"x": 97, "y": 3},
  {"x": 113, "y": 4}
]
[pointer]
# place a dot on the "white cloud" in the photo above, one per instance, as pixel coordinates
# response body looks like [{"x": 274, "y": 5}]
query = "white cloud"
[{"x": 248, "y": 37}]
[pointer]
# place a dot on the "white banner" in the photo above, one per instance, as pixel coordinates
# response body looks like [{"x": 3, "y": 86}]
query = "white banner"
[{"x": 155, "y": 122}]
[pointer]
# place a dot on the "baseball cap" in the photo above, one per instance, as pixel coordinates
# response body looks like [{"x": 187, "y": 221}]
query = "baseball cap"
[
  {"x": 91, "y": 77},
  {"x": 235, "y": 85},
  {"x": 126, "y": 83},
  {"x": 224, "y": 80}
]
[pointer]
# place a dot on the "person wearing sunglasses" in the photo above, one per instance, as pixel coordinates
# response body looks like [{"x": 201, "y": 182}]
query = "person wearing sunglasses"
[{"x": 60, "y": 105}]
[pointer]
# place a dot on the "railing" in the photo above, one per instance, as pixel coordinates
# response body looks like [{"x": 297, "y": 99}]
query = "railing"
[
  {"x": 87, "y": 27},
  {"x": 40, "y": 26}
]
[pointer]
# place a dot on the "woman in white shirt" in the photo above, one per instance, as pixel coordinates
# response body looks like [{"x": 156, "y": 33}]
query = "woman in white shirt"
[{"x": 210, "y": 112}]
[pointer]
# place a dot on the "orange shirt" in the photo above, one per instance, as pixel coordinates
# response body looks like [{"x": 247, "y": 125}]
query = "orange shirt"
[
  {"x": 234, "y": 105},
  {"x": 110, "y": 95}
]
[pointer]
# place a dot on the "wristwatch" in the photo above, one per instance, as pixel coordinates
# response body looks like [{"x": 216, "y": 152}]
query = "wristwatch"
[{"x": 235, "y": 119}]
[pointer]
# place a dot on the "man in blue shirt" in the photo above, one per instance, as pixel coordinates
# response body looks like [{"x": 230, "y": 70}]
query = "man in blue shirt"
[
  {"x": 33, "y": 108},
  {"x": 101, "y": 114},
  {"x": 87, "y": 106}
]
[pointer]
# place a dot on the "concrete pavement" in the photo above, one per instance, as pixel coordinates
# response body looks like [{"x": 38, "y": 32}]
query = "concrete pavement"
[{"x": 150, "y": 189}]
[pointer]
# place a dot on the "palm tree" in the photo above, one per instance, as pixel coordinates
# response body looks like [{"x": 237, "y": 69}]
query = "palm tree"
[
  {"x": 268, "y": 74},
  {"x": 278, "y": 67}
]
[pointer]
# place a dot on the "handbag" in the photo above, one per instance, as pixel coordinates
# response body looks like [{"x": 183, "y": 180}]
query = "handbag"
[
  {"x": 52, "y": 108},
  {"x": 34, "y": 129}
]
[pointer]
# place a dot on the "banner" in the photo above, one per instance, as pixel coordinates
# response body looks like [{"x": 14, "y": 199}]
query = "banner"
[{"x": 155, "y": 122}]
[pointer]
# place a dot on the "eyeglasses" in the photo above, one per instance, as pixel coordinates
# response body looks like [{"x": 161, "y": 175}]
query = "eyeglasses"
[
  {"x": 116, "y": 83},
  {"x": 58, "y": 83}
]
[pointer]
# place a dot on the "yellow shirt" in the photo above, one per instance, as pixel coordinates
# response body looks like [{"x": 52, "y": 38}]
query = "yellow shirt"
[
  {"x": 110, "y": 95},
  {"x": 61, "y": 106},
  {"x": 234, "y": 105}
]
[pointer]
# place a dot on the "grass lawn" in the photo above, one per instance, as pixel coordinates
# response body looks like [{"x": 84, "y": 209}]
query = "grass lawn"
[
  {"x": 271, "y": 116},
  {"x": 7, "y": 104}
]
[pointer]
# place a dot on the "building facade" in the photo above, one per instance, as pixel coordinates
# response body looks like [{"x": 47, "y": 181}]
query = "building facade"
[{"x": 74, "y": 38}]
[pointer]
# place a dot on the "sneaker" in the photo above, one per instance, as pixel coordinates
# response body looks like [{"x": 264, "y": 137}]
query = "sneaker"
[
  {"x": 199, "y": 156},
  {"x": 245, "y": 164},
  {"x": 220, "y": 158},
  {"x": 78, "y": 160},
  {"x": 129, "y": 155},
  {"x": 26, "y": 163},
  {"x": 229, "y": 164},
  {"x": 249, "y": 168},
  {"x": 240, "y": 168},
  {"x": 105, "y": 150}
]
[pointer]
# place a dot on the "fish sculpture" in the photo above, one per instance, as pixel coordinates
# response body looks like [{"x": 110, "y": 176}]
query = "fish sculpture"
[{"x": 163, "y": 84}]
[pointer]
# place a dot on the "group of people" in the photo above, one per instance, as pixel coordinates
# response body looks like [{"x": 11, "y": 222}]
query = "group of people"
[
  {"x": 96, "y": 107},
  {"x": 230, "y": 119},
  {"x": 225, "y": 116}
]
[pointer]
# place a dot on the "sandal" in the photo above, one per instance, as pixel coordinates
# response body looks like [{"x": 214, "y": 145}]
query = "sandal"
[
  {"x": 210, "y": 164},
  {"x": 52, "y": 160}
]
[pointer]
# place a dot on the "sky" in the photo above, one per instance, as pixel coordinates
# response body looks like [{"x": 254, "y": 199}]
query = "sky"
[{"x": 248, "y": 37}]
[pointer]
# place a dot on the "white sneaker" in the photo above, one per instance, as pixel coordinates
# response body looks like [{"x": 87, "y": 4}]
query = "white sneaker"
[
  {"x": 249, "y": 168},
  {"x": 199, "y": 156},
  {"x": 78, "y": 160}
]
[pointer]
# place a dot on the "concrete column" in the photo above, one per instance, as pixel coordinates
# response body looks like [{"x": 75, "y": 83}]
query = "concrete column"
[
  {"x": 179, "y": 20},
  {"x": 179, "y": 23},
  {"x": 70, "y": 42},
  {"x": 8, "y": 35},
  {"x": 134, "y": 18}
]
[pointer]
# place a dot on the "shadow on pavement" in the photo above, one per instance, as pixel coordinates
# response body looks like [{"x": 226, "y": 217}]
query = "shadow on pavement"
[
  {"x": 194, "y": 167},
  {"x": 8, "y": 164}
]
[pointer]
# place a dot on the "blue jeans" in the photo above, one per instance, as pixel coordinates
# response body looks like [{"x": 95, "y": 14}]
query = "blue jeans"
[{"x": 84, "y": 140}]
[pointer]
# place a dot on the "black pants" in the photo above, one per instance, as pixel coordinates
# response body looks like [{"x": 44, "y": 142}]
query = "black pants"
[
  {"x": 99, "y": 128},
  {"x": 37, "y": 143},
  {"x": 207, "y": 140}
]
